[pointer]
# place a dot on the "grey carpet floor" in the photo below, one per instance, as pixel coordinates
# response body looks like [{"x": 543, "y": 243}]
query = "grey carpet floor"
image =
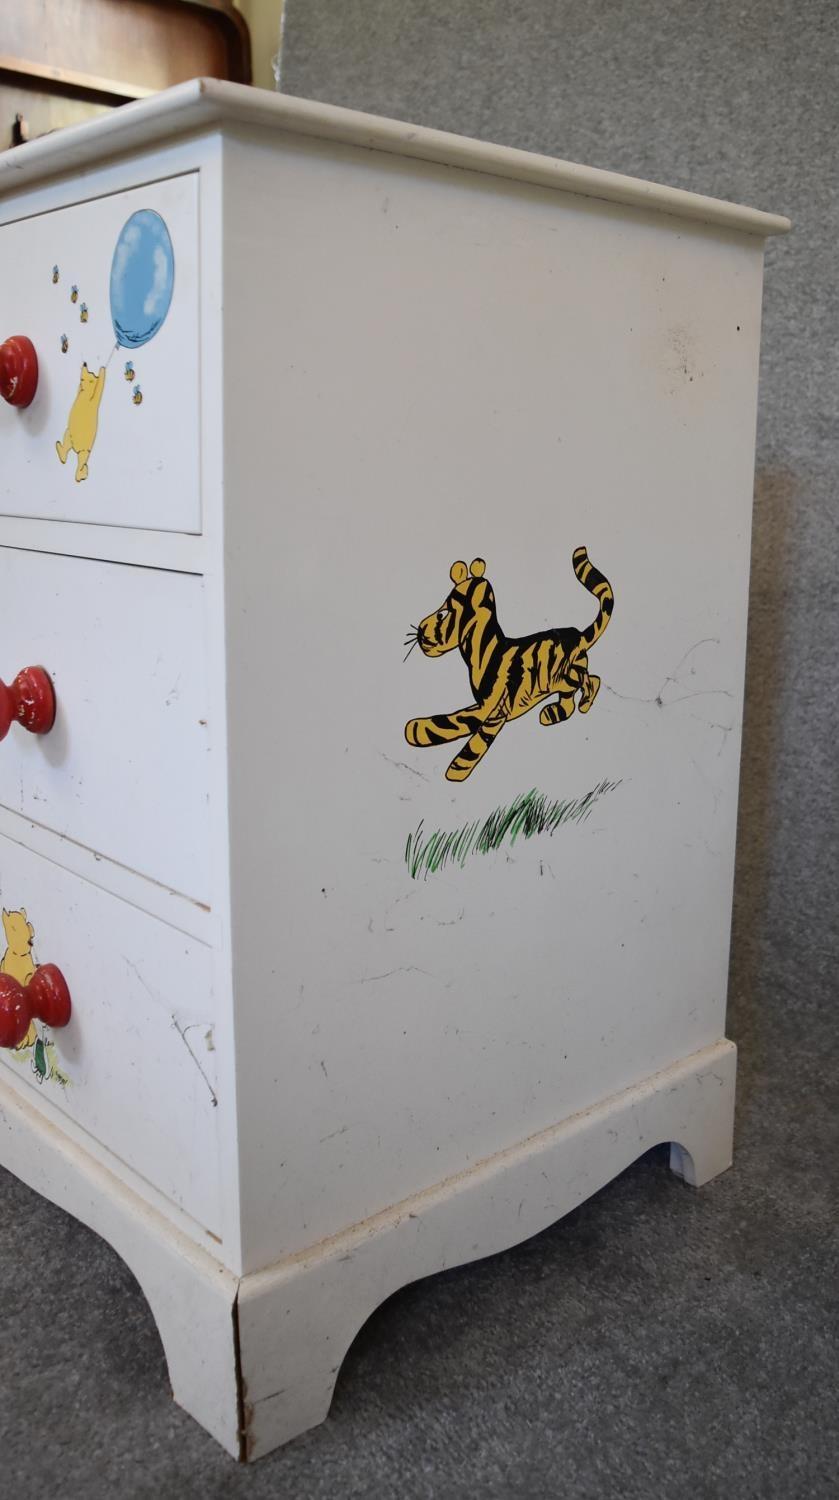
[{"x": 657, "y": 1343}]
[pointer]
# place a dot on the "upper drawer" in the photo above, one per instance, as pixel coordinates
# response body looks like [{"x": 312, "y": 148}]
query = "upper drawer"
[
  {"x": 108, "y": 293},
  {"x": 124, "y": 770}
]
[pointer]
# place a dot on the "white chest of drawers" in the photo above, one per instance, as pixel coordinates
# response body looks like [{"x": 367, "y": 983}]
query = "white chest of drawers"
[{"x": 341, "y": 1017}]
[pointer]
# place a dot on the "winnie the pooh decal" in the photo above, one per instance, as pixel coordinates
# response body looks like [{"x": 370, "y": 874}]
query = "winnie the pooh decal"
[
  {"x": 17, "y": 959},
  {"x": 142, "y": 282},
  {"x": 83, "y": 421},
  {"x": 18, "y": 962}
]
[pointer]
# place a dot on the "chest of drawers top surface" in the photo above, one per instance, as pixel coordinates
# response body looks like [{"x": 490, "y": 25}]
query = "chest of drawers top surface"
[{"x": 209, "y": 103}]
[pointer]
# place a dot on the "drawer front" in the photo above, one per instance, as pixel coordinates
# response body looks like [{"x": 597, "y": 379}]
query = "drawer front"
[
  {"x": 135, "y": 1066},
  {"x": 112, "y": 435},
  {"x": 124, "y": 771}
]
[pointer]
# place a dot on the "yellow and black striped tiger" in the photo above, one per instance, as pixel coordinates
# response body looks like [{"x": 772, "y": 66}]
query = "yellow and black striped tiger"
[{"x": 508, "y": 676}]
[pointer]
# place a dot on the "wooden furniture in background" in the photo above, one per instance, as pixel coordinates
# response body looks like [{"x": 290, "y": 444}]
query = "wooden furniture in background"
[{"x": 63, "y": 61}]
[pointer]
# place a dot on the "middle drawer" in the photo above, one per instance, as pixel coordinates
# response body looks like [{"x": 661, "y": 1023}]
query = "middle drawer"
[{"x": 124, "y": 770}]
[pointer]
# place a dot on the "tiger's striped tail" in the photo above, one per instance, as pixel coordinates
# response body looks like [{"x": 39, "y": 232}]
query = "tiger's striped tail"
[{"x": 600, "y": 587}]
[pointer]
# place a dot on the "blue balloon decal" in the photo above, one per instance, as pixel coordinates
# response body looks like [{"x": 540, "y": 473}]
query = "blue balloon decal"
[{"x": 142, "y": 278}]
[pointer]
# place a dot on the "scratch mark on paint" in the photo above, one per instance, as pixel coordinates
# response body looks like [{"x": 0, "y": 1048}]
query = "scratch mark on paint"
[
  {"x": 182, "y": 1034},
  {"x": 402, "y": 765},
  {"x": 149, "y": 991},
  {"x": 673, "y": 677},
  {"x": 401, "y": 969},
  {"x": 209, "y": 1040}
]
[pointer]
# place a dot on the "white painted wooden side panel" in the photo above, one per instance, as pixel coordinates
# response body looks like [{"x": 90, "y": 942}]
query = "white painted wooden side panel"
[
  {"x": 138, "y": 1053},
  {"x": 144, "y": 465},
  {"x": 464, "y": 369},
  {"x": 124, "y": 769}
]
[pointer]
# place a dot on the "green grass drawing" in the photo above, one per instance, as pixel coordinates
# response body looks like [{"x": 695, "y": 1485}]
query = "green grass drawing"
[
  {"x": 41, "y": 1057},
  {"x": 528, "y": 814}
]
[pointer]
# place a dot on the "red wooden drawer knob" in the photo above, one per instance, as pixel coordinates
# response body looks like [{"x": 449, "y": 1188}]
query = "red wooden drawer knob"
[
  {"x": 45, "y": 998},
  {"x": 30, "y": 701},
  {"x": 18, "y": 370}
]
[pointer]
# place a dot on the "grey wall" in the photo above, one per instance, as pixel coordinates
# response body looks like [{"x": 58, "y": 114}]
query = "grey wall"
[{"x": 740, "y": 101}]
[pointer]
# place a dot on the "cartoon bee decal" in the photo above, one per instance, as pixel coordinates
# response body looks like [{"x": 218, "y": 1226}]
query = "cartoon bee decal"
[
  {"x": 137, "y": 397},
  {"x": 65, "y": 343},
  {"x": 129, "y": 371},
  {"x": 74, "y": 294},
  {"x": 83, "y": 312},
  {"x": 54, "y": 275}
]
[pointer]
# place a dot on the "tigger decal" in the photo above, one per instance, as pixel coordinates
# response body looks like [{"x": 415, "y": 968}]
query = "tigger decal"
[{"x": 508, "y": 676}]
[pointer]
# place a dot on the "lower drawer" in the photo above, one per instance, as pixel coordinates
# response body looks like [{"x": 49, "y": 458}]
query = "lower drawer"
[{"x": 135, "y": 1066}]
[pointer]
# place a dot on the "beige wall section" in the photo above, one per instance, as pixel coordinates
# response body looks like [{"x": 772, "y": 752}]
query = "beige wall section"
[{"x": 265, "y": 20}]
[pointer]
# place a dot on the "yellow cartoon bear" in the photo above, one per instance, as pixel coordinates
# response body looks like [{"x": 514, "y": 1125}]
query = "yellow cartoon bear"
[
  {"x": 83, "y": 421},
  {"x": 17, "y": 959}
]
